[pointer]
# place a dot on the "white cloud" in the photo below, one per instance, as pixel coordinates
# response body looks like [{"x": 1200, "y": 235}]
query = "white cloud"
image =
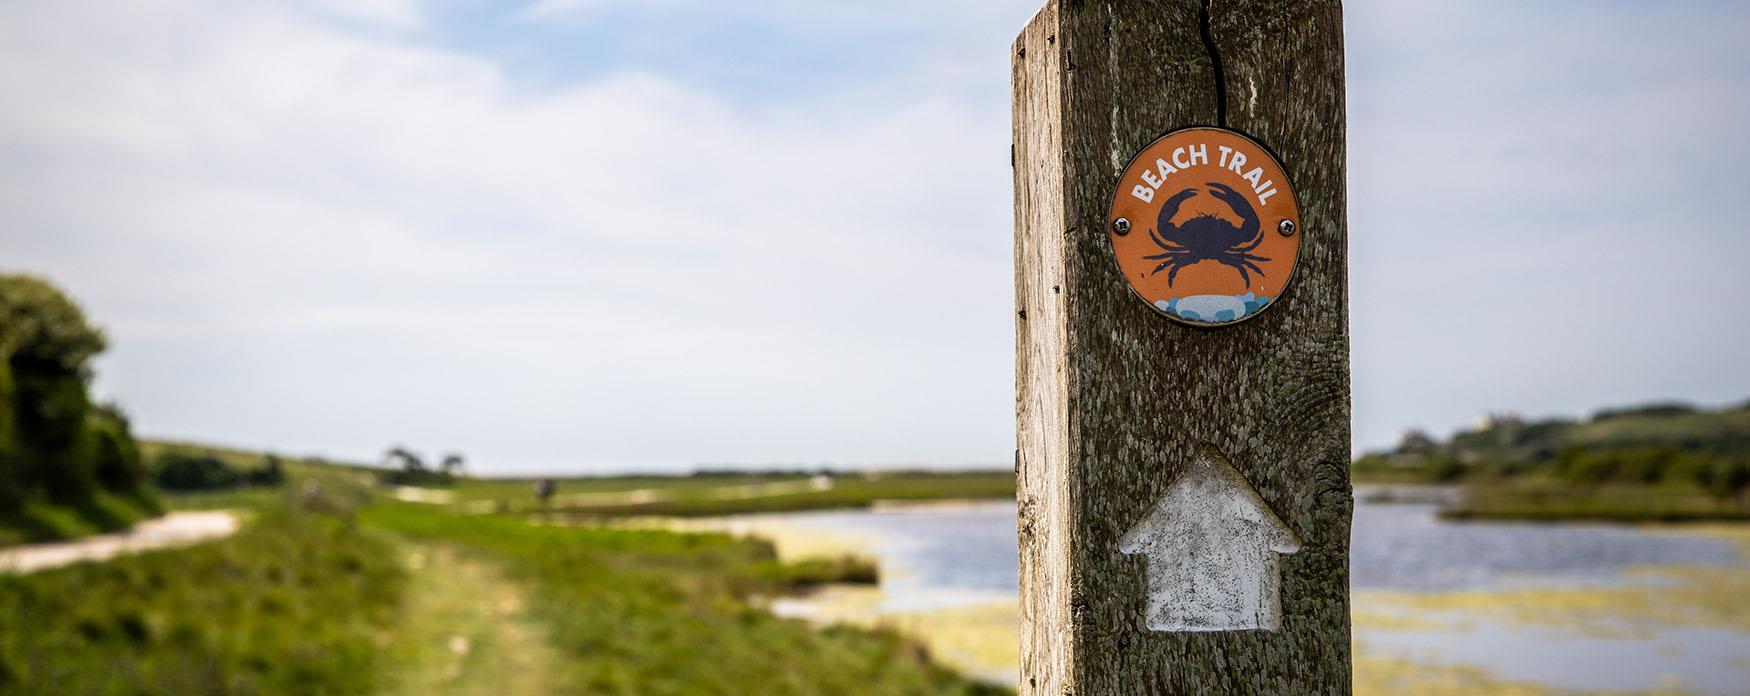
[
  {"x": 317, "y": 230},
  {"x": 618, "y": 273},
  {"x": 550, "y": 9},
  {"x": 394, "y": 14},
  {"x": 1533, "y": 208}
]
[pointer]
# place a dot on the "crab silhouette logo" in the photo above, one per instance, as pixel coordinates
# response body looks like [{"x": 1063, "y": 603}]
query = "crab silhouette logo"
[
  {"x": 1205, "y": 227},
  {"x": 1207, "y": 237}
]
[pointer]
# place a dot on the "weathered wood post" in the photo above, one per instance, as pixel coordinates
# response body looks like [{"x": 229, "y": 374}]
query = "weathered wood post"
[{"x": 1184, "y": 475}]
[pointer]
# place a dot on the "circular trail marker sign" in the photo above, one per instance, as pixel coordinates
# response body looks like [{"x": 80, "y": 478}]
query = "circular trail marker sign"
[{"x": 1205, "y": 227}]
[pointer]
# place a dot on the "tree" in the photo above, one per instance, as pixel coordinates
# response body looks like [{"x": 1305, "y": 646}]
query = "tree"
[
  {"x": 403, "y": 467},
  {"x": 399, "y": 457},
  {"x": 53, "y": 442},
  {"x": 41, "y": 330}
]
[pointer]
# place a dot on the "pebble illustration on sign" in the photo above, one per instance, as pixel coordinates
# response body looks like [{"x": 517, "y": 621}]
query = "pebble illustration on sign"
[
  {"x": 1215, "y": 223},
  {"x": 1210, "y": 546}
]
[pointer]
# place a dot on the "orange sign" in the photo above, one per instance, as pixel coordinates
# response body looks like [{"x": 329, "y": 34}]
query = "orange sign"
[{"x": 1205, "y": 227}]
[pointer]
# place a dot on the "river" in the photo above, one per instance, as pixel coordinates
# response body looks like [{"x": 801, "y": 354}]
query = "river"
[{"x": 1469, "y": 607}]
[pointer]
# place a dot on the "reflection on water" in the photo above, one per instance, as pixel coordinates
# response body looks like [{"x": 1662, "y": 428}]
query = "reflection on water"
[
  {"x": 1406, "y": 547},
  {"x": 933, "y": 556},
  {"x": 1394, "y": 547},
  {"x": 1525, "y": 602},
  {"x": 1698, "y": 660}
]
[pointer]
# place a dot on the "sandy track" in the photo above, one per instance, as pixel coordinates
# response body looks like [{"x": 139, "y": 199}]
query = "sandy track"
[{"x": 174, "y": 529}]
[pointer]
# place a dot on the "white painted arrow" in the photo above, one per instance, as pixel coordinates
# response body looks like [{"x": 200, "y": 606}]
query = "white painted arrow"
[{"x": 1211, "y": 546}]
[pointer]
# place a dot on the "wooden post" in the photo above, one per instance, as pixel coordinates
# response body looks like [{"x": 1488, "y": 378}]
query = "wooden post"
[{"x": 1116, "y": 405}]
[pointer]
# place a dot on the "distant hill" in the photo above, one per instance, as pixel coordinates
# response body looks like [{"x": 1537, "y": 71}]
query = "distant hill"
[
  {"x": 1506, "y": 438},
  {"x": 1657, "y": 461}
]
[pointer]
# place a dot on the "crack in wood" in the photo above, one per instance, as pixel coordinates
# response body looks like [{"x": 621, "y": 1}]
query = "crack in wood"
[{"x": 1208, "y": 37}]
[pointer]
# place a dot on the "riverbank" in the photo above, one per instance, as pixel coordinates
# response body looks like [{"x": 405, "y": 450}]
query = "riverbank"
[
  {"x": 1451, "y": 609},
  {"x": 1543, "y": 500},
  {"x": 1538, "y": 499},
  {"x": 1546, "y": 501}
]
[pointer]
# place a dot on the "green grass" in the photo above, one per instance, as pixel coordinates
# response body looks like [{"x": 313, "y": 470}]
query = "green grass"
[
  {"x": 237, "y": 499},
  {"x": 466, "y": 630},
  {"x": 300, "y": 602},
  {"x": 519, "y": 488},
  {"x": 1723, "y": 430},
  {"x": 297, "y": 603},
  {"x": 1542, "y": 499},
  {"x": 728, "y": 495},
  {"x": 648, "y": 612}
]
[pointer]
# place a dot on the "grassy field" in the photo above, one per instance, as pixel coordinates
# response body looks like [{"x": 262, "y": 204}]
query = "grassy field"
[
  {"x": 645, "y": 612},
  {"x": 1541, "y": 499},
  {"x": 333, "y": 588},
  {"x": 703, "y": 495},
  {"x": 297, "y": 603}
]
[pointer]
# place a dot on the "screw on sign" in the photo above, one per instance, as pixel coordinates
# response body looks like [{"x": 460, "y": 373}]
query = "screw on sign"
[{"x": 1206, "y": 200}]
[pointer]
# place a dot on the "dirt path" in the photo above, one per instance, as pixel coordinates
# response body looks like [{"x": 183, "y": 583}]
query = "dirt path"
[
  {"x": 468, "y": 630},
  {"x": 174, "y": 529}
]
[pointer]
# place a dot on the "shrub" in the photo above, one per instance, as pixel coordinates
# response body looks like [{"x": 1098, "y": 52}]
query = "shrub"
[
  {"x": 54, "y": 440},
  {"x": 54, "y": 445},
  {"x": 1725, "y": 477},
  {"x": 175, "y": 471},
  {"x": 205, "y": 471},
  {"x": 1444, "y": 469},
  {"x": 118, "y": 464},
  {"x": 271, "y": 473}
]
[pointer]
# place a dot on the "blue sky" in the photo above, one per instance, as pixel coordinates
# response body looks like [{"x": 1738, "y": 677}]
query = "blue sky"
[{"x": 607, "y": 235}]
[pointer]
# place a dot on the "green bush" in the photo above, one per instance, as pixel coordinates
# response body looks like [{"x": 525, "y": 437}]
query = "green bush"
[
  {"x": 1725, "y": 477},
  {"x": 1720, "y": 475},
  {"x": 117, "y": 456},
  {"x": 54, "y": 441},
  {"x": 55, "y": 446},
  {"x": 813, "y": 572},
  {"x": 183, "y": 471},
  {"x": 11, "y": 487}
]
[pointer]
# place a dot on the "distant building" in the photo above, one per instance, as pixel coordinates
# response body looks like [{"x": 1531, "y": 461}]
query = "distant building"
[{"x": 1500, "y": 419}]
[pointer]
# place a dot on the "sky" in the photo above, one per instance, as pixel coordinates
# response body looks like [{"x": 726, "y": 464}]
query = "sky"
[{"x": 593, "y": 236}]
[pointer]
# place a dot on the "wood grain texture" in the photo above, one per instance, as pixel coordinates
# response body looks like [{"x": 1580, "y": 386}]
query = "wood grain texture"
[{"x": 1112, "y": 401}]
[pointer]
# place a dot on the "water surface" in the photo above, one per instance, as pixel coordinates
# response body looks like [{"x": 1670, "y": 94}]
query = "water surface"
[{"x": 939, "y": 557}]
